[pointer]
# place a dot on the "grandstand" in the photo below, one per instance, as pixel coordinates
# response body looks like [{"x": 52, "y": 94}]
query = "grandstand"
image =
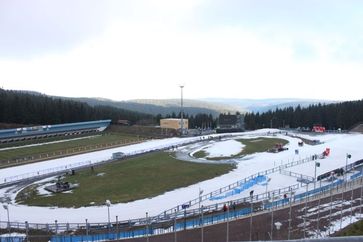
[{"x": 44, "y": 131}]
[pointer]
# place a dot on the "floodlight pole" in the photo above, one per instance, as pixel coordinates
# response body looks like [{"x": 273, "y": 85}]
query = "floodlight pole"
[
  {"x": 290, "y": 217},
  {"x": 108, "y": 204},
  {"x": 306, "y": 201},
  {"x": 272, "y": 214},
  {"x": 175, "y": 238},
  {"x": 331, "y": 199},
  {"x": 202, "y": 225},
  {"x": 181, "y": 110},
  {"x": 251, "y": 218},
  {"x": 227, "y": 232},
  {"x": 147, "y": 226}
]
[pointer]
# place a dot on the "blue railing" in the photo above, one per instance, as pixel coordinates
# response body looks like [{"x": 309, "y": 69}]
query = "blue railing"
[
  {"x": 242, "y": 187},
  {"x": 183, "y": 223}
]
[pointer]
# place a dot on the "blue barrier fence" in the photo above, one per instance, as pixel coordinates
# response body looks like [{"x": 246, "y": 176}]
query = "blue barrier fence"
[
  {"x": 12, "y": 239},
  {"x": 242, "y": 187},
  {"x": 197, "y": 221}
]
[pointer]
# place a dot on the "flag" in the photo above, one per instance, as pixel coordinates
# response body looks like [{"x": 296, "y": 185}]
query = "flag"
[
  {"x": 200, "y": 191},
  {"x": 317, "y": 164},
  {"x": 349, "y": 156}
]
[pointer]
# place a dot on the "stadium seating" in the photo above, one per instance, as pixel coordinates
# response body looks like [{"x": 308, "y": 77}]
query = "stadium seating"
[{"x": 10, "y": 135}]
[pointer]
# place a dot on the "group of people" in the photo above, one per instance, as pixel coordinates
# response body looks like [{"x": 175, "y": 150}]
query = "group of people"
[{"x": 225, "y": 207}]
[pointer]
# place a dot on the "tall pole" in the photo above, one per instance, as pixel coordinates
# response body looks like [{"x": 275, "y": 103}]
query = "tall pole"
[
  {"x": 341, "y": 206},
  {"x": 202, "y": 227},
  {"x": 251, "y": 217},
  {"x": 272, "y": 214},
  {"x": 181, "y": 111},
  {"x": 305, "y": 210},
  {"x": 361, "y": 191},
  {"x": 331, "y": 199},
  {"x": 289, "y": 229},
  {"x": 351, "y": 205},
  {"x": 147, "y": 227},
  {"x": 175, "y": 238},
  {"x": 108, "y": 212},
  {"x": 200, "y": 198},
  {"x": 117, "y": 231},
  {"x": 227, "y": 239},
  {"x": 87, "y": 228},
  {"x": 318, "y": 219},
  {"x": 6, "y": 207},
  {"x": 108, "y": 204}
]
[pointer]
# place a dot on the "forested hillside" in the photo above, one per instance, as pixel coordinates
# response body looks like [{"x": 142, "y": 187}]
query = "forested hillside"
[
  {"x": 333, "y": 116},
  {"x": 31, "y": 108}
]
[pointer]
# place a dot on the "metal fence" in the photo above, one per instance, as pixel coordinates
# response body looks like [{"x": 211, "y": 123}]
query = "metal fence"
[
  {"x": 178, "y": 218},
  {"x": 235, "y": 185}
]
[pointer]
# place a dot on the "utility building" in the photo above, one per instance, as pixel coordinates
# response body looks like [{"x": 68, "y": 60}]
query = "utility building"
[{"x": 173, "y": 123}]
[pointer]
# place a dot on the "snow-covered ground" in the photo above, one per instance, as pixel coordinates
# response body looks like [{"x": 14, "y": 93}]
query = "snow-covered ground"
[
  {"x": 47, "y": 143},
  {"x": 226, "y": 148},
  {"x": 339, "y": 144}
]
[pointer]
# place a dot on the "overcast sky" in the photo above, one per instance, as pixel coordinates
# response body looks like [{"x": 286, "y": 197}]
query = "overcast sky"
[{"x": 217, "y": 48}]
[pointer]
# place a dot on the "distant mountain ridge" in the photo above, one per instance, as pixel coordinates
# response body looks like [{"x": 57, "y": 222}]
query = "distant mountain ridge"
[
  {"x": 162, "y": 106},
  {"x": 213, "y": 106},
  {"x": 264, "y": 105}
]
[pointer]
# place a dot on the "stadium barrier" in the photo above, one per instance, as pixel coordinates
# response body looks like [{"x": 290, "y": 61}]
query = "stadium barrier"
[
  {"x": 235, "y": 185},
  {"x": 184, "y": 218}
]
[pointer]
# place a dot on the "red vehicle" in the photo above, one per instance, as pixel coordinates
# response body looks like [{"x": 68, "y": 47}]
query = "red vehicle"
[{"x": 318, "y": 129}]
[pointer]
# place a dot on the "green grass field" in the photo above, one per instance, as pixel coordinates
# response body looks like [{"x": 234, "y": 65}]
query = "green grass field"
[
  {"x": 259, "y": 144},
  {"x": 251, "y": 146},
  {"x": 200, "y": 154},
  {"x": 66, "y": 146},
  {"x": 132, "y": 179}
]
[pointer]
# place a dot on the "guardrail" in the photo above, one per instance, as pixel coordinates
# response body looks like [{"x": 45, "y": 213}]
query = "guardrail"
[
  {"x": 186, "y": 219},
  {"x": 234, "y": 185},
  {"x": 297, "y": 175},
  {"x": 177, "y": 219}
]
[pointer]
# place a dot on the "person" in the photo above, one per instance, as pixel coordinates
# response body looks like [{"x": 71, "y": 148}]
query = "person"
[
  {"x": 225, "y": 208},
  {"x": 234, "y": 208}
]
